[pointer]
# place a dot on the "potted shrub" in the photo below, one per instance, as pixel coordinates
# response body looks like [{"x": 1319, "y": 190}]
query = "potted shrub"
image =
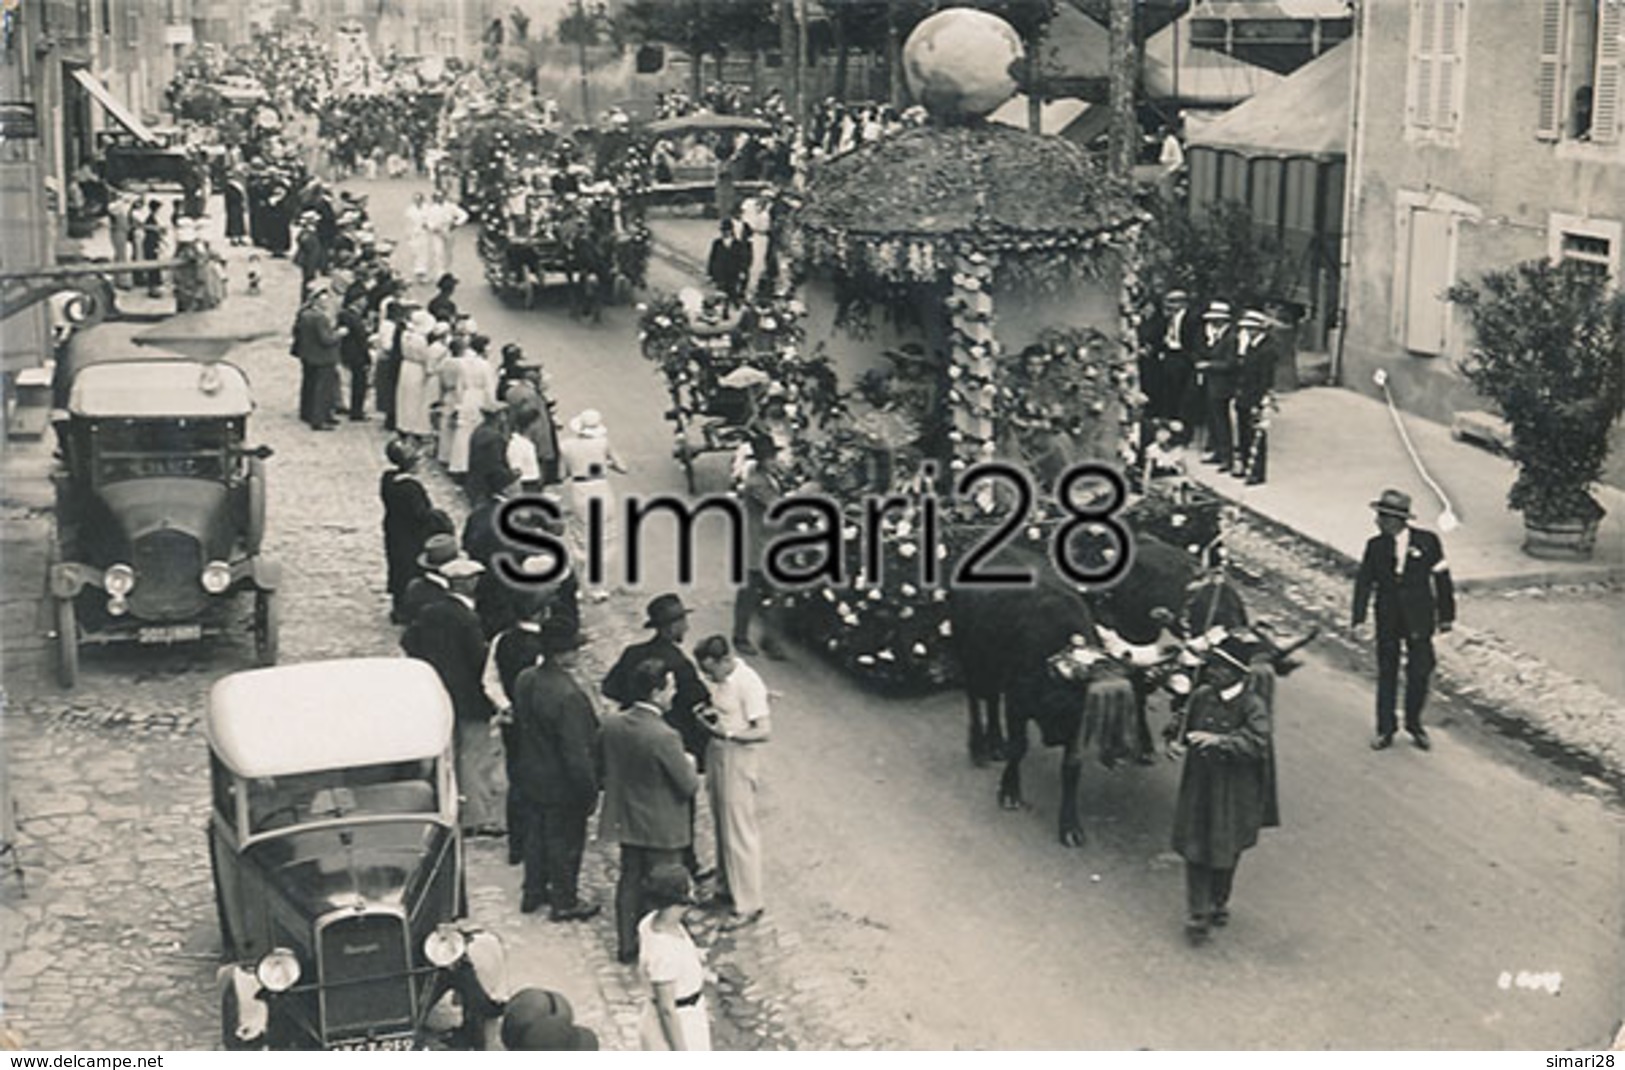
[{"x": 1550, "y": 353}]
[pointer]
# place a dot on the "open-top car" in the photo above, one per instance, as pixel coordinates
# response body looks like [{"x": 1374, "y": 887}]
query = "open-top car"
[
  {"x": 160, "y": 504},
  {"x": 338, "y": 865}
]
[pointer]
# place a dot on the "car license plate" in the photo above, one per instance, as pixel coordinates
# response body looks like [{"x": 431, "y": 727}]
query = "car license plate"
[
  {"x": 170, "y": 633},
  {"x": 387, "y": 1044}
]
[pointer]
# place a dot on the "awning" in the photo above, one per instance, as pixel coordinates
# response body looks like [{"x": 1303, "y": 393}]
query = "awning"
[
  {"x": 1306, "y": 114},
  {"x": 114, "y": 106}
]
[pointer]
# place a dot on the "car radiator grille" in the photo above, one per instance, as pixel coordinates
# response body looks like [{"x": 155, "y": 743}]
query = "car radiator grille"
[
  {"x": 168, "y": 565},
  {"x": 366, "y": 986}
]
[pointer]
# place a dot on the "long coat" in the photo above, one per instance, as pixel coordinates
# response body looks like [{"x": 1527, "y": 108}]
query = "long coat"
[
  {"x": 648, "y": 781},
  {"x": 446, "y": 633},
  {"x": 557, "y": 731},
  {"x": 406, "y": 526},
  {"x": 1227, "y": 793}
]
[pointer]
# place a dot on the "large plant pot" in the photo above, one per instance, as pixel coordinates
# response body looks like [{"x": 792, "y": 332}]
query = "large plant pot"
[{"x": 1563, "y": 540}]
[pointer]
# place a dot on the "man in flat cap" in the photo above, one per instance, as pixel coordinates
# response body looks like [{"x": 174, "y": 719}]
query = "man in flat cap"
[{"x": 1404, "y": 568}]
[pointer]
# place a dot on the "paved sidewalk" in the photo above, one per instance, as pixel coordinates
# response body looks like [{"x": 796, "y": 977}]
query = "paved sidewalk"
[{"x": 1333, "y": 450}]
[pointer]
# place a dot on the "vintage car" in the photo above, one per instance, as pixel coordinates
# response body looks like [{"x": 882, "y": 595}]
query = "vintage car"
[
  {"x": 338, "y": 865},
  {"x": 160, "y": 506},
  {"x": 692, "y": 177}
]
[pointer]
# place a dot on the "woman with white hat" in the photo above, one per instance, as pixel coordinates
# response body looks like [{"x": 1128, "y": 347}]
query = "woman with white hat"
[
  {"x": 585, "y": 460},
  {"x": 412, "y": 392}
]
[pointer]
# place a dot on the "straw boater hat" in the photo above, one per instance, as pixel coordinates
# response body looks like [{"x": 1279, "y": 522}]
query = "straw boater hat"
[
  {"x": 1254, "y": 319},
  {"x": 589, "y": 423},
  {"x": 1217, "y": 310},
  {"x": 1394, "y": 503}
]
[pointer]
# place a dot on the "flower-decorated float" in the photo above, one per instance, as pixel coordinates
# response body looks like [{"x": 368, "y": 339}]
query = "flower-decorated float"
[{"x": 964, "y": 283}]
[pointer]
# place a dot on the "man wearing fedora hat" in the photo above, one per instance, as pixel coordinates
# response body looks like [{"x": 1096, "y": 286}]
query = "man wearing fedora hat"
[
  {"x": 446, "y": 633},
  {"x": 1257, "y": 353},
  {"x": 406, "y": 520},
  {"x": 488, "y": 470},
  {"x": 556, "y": 729},
  {"x": 1227, "y": 787},
  {"x": 667, "y": 615},
  {"x": 1404, "y": 569},
  {"x": 317, "y": 336},
  {"x": 763, "y": 486},
  {"x": 1216, "y": 372}
]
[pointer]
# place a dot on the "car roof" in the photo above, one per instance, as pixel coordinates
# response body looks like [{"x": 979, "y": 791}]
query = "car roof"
[
  {"x": 704, "y": 120},
  {"x": 169, "y": 386},
  {"x": 333, "y": 714}
]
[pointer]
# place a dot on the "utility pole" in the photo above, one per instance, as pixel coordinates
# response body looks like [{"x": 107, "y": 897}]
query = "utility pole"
[
  {"x": 801, "y": 64},
  {"x": 581, "y": 58},
  {"x": 1124, "y": 135}
]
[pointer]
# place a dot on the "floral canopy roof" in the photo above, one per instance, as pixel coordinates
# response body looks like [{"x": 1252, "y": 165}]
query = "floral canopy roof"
[{"x": 984, "y": 186}]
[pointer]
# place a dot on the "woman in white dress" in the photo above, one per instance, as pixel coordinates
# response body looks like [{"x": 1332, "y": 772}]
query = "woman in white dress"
[
  {"x": 417, "y": 236},
  {"x": 585, "y": 461},
  {"x": 413, "y": 393},
  {"x": 676, "y": 1018},
  {"x": 473, "y": 387}
]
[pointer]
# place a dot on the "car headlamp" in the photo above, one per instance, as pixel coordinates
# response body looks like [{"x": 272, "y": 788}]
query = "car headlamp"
[
  {"x": 216, "y": 577},
  {"x": 119, "y": 580},
  {"x": 445, "y": 945},
  {"x": 278, "y": 970}
]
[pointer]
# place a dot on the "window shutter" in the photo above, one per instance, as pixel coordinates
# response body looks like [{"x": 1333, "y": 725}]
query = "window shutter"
[
  {"x": 1447, "y": 65},
  {"x": 1432, "y": 235},
  {"x": 1549, "y": 81},
  {"x": 1605, "y": 101},
  {"x": 1424, "y": 35}
]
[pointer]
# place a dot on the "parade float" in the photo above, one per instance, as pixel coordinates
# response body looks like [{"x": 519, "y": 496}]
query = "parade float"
[{"x": 964, "y": 289}]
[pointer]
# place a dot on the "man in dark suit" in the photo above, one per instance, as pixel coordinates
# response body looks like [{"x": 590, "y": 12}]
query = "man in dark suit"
[
  {"x": 488, "y": 470},
  {"x": 1257, "y": 352},
  {"x": 1168, "y": 342},
  {"x": 557, "y": 779},
  {"x": 1216, "y": 369},
  {"x": 446, "y": 633},
  {"x": 1405, "y": 568},
  {"x": 728, "y": 265},
  {"x": 649, "y": 786},
  {"x": 667, "y": 615},
  {"x": 317, "y": 336}
]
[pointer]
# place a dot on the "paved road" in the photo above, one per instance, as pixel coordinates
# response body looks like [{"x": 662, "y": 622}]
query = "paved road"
[{"x": 906, "y": 909}]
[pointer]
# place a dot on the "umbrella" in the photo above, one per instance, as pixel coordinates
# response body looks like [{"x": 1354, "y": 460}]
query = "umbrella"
[{"x": 744, "y": 376}]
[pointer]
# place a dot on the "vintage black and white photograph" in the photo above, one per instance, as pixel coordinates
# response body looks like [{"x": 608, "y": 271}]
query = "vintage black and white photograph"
[{"x": 812, "y": 525}]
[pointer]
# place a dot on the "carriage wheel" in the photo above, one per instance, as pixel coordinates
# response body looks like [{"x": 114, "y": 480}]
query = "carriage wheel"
[{"x": 67, "y": 644}]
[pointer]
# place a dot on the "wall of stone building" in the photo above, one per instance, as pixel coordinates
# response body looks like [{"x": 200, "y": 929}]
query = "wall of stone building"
[{"x": 1496, "y": 182}]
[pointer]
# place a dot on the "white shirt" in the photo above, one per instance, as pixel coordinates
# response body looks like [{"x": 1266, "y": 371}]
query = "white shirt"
[
  {"x": 1402, "y": 547},
  {"x": 740, "y": 699},
  {"x": 522, "y": 458}
]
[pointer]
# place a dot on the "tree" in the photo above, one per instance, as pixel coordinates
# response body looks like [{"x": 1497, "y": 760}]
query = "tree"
[
  {"x": 701, "y": 28},
  {"x": 1549, "y": 351},
  {"x": 1221, "y": 254},
  {"x": 581, "y": 25}
]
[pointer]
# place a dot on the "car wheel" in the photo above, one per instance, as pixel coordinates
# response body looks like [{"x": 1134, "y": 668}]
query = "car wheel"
[
  {"x": 67, "y": 643},
  {"x": 267, "y": 623}
]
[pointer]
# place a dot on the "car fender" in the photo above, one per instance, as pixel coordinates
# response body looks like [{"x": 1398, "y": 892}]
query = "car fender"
[
  {"x": 267, "y": 573},
  {"x": 245, "y": 1013},
  {"x": 488, "y": 965},
  {"x": 68, "y": 578}
]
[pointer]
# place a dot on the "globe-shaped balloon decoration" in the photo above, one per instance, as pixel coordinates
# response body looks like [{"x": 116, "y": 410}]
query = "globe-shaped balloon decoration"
[{"x": 960, "y": 63}]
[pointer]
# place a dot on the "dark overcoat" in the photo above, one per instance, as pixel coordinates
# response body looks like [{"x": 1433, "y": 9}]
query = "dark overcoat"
[{"x": 1227, "y": 792}]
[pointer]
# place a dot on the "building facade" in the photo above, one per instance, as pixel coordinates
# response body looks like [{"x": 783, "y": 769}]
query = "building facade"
[{"x": 1484, "y": 134}]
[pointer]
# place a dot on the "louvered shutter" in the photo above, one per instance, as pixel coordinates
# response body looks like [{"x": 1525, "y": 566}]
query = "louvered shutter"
[
  {"x": 1424, "y": 35},
  {"x": 1605, "y": 101},
  {"x": 1549, "y": 81},
  {"x": 1447, "y": 66}
]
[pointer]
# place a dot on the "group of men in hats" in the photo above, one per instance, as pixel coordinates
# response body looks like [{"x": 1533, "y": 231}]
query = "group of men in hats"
[{"x": 1211, "y": 377}]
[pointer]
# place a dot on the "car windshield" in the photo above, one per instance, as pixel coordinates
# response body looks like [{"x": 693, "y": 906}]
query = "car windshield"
[
  {"x": 146, "y": 449},
  {"x": 369, "y": 790}
]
